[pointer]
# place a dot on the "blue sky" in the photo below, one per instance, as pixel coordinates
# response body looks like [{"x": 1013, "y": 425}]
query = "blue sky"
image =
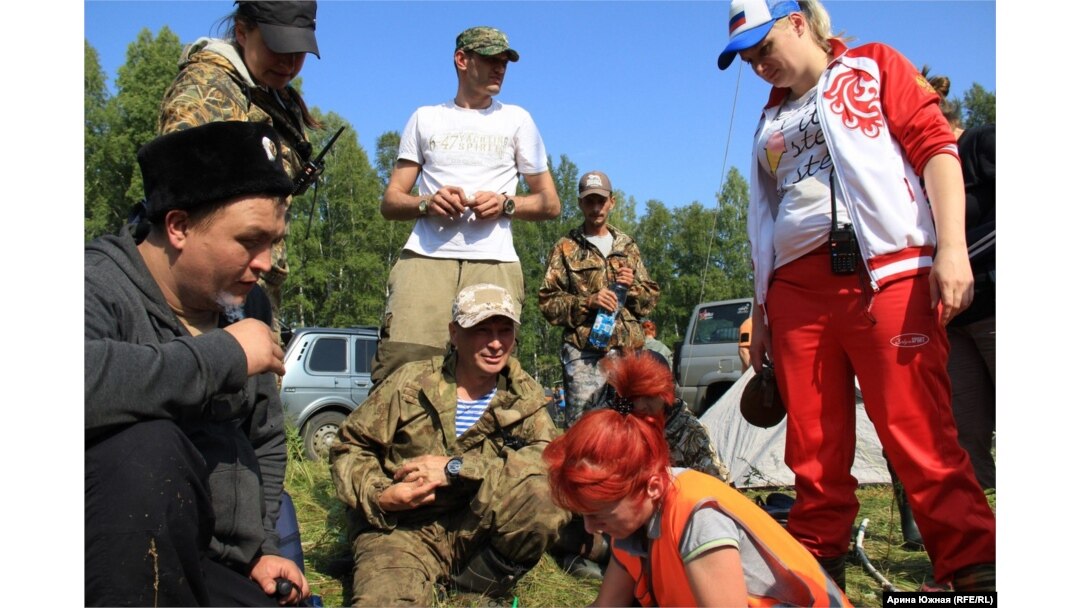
[{"x": 630, "y": 88}]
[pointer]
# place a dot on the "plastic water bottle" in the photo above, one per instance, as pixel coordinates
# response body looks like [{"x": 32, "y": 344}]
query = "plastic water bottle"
[
  {"x": 560, "y": 406},
  {"x": 604, "y": 324}
]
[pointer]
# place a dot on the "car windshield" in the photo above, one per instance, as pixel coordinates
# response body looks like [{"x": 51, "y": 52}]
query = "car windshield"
[{"x": 719, "y": 324}]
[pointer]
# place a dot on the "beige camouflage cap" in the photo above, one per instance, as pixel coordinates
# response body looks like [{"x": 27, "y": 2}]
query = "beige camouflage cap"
[
  {"x": 486, "y": 41},
  {"x": 482, "y": 301}
]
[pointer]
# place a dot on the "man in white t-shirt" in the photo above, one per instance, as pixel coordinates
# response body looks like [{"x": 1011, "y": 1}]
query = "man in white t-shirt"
[{"x": 468, "y": 155}]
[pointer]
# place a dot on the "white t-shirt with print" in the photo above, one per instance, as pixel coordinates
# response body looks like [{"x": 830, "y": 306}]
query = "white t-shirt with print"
[
  {"x": 476, "y": 150},
  {"x": 792, "y": 148}
]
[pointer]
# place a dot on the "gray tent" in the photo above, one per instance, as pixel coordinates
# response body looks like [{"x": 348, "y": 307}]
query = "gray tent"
[{"x": 756, "y": 456}]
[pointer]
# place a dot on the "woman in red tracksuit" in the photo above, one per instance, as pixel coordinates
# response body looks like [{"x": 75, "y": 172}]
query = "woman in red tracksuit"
[
  {"x": 856, "y": 225},
  {"x": 680, "y": 537}
]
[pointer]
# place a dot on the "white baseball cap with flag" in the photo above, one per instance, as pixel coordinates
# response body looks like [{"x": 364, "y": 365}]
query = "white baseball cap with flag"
[{"x": 749, "y": 22}]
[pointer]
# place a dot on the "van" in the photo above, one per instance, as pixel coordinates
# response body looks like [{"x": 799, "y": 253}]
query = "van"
[
  {"x": 327, "y": 374},
  {"x": 707, "y": 360}
]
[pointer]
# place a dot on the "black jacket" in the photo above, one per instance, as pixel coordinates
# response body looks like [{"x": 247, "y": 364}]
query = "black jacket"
[
  {"x": 142, "y": 364},
  {"x": 978, "y": 155}
]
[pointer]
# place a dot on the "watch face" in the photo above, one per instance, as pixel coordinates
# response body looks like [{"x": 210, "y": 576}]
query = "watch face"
[
  {"x": 508, "y": 206},
  {"x": 453, "y": 467},
  {"x": 423, "y": 206}
]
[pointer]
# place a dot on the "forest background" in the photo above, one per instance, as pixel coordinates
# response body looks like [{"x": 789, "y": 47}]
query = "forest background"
[{"x": 341, "y": 249}]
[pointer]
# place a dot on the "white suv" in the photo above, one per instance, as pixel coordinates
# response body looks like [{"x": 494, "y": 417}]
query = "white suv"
[
  {"x": 327, "y": 374},
  {"x": 707, "y": 361}
]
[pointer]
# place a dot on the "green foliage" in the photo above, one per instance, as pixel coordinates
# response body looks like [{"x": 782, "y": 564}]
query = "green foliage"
[
  {"x": 980, "y": 106},
  {"x": 341, "y": 249},
  {"x": 339, "y": 245},
  {"x": 116, "y": 127}
]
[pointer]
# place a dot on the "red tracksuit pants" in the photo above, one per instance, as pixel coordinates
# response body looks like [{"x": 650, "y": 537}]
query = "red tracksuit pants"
[{"x": 822, "y": 336}]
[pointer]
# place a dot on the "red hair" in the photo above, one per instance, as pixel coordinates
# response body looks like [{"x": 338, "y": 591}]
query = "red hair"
[
  {"x": 640, "y": 374},
  {"x": 604, "y": 457}
]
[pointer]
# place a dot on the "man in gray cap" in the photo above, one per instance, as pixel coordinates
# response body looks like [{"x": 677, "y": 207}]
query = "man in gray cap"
[
  {"x": 441, "y": 467},
  {"x": 584, "y": 269},
  {"x": 468, "y": 154},
  {"x": 185, "y": 440}
]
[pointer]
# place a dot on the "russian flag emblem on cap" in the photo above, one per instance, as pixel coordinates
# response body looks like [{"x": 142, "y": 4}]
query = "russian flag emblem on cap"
[{"x": 736, "y": 22}]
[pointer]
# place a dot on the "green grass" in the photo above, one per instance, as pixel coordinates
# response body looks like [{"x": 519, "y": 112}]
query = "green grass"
[{"x": 327, "y": 555}]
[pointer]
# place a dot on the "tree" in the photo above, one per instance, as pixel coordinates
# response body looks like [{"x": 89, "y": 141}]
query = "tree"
[
  {"x": 95, "y": 130},
  {"x": 337, "y": 276},
  {"x": 732, "y": 250},
  {"x": 130, "y": 120},
  {"x": 980, "y": 106}
]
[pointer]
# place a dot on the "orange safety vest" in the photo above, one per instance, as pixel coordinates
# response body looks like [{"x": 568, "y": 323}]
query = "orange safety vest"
[{"x": 800, "y": 579}]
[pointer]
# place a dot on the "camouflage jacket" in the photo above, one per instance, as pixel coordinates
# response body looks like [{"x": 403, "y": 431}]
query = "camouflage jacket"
[
  {"x": 576, "y": 269},
  {"x": 687, "y": 439},
  {"x": 411, "y": 413},
  {"x": 215, "y": 85},
  {"x": 690, "y": 444}
]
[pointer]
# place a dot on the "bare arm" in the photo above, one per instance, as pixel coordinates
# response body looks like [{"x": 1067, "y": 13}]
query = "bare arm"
[
  {"x": 760, "y": 339},
  {"x": 951, "y": 281},
  {"x": 400, "y": 204},
  {"x": 716, "y": 578},
  {"x": 617, "y": 588},
  {"x": 543, "y": 202}
]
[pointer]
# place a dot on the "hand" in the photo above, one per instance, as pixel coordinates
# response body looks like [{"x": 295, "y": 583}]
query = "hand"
[
  {"x": 407, "y": 495},
  {"x": 449, "y": 201},
  {"x": 270, "y": 567},
  {"x": 951, "y": 283},
  {"x": 426, "y": 468},
  {"x": 605, "y": 298},
  {"x": 261, "y": 348},
  {"x": 487, "y": 205},
  {"x": 625, "y": 275},
  {"x": 760, "y": 341}
]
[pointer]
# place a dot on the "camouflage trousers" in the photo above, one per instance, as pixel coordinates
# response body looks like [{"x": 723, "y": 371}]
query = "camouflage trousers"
[
  {"x": 582, "y": 378},
  {"x": 271, "y": 282},
  {"x": 510, "y": 513}
]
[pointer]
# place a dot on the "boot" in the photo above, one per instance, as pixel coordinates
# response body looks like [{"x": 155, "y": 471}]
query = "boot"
[
  {"x": 980, "y": 578},
  {"x": 912, "y": 537},
  {"x": 490, "y": 574},
  {"x": 913, "y": 540},
  {"x": 835, "y": 568}
]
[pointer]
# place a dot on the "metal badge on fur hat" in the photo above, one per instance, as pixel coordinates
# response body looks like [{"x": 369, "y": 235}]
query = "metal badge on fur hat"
[
  {"x": 211, "y": 163},
  {"x": 482, "y": 301},
  {"x": 594, "y": 182},
  {"x": 486, "y": 41}
]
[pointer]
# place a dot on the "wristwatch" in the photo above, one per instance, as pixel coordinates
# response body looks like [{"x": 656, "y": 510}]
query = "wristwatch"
[
  {"x": 508, "y": 207},
  {"x": 453, "y": 468},
  {"x": 423, "y": 206}
]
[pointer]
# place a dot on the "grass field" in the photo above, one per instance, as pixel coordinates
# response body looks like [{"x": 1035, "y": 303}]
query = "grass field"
[{"x": 326, "y": 552}]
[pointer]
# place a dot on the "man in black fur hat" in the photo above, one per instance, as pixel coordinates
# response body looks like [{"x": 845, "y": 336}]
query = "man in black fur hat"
[{"x": 185, "y": 440}]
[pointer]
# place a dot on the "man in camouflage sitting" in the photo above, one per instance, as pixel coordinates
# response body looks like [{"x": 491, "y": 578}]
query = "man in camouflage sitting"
[{"x": 441, "y": 470}]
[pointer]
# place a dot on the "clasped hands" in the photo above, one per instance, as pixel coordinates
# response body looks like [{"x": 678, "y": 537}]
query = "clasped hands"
[
  {"x": 451, "y": 202},
  {"x": 415, "y": 483}
]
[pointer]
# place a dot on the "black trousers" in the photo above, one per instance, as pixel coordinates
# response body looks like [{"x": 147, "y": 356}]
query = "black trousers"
[{"x": 149, "y": 521}]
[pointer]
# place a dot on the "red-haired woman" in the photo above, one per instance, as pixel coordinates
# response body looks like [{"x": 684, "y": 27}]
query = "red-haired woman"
[
  {"x": 641, "y": 382},
  {"x": 681, "y": 538}
]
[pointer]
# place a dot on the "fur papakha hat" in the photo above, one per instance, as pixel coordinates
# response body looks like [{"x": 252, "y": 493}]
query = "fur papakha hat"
[{"x": 211, "y": 163}]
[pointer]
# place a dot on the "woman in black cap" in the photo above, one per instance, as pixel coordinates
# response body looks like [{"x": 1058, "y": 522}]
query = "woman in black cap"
[{"x": 246, "y": 77}]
